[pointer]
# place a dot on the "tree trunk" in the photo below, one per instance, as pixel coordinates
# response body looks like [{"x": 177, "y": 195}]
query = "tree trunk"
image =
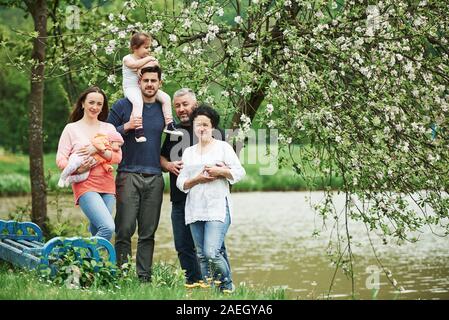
[
  {"x": 35, "y": 133},
  {"x": 250, "y": 105}
]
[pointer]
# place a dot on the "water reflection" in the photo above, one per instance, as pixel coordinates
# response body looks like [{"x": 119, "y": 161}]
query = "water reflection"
[{"x": 270, "y": 243}]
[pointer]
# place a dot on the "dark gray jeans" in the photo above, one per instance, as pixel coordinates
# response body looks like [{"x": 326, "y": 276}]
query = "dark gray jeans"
[{"x": 139, "y": 200}]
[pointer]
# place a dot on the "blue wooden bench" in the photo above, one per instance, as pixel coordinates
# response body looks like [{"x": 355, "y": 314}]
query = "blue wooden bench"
[{"x": 21, "y": 244}]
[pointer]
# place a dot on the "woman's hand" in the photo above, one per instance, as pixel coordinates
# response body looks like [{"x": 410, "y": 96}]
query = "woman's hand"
[
  {"x": 204, "y": 177},
  {"x": 87, "y": 150},
  {"x": 220, "y": 170},
  {"x": 88, "y": 163}
]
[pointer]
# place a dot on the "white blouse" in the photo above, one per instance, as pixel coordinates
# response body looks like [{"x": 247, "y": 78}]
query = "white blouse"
[{"x": 207, "y": 201}]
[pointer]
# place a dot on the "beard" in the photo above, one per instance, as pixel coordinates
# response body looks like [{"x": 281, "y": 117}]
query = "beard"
[
  {"x": 148, "y": 95},
  {"x": 185, "y": 119}
]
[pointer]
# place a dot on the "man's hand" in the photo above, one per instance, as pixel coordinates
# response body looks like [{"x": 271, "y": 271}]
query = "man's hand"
[
  {"x": 174, "y": 167},
  {"x": 133, "y": 123}
]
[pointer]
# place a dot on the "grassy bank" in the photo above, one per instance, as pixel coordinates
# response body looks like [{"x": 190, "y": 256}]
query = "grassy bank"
[
  {"x": 14, "y": 177},
  {"x": 168, "y": 283}
]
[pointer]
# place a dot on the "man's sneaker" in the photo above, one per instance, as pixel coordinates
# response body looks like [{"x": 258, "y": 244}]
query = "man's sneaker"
[
  {"x": 139, "y": 133},
  {"x": 144, "y": 279},
  {"x": 170, "y": 129},
  {"x": 229, "y": 291}
]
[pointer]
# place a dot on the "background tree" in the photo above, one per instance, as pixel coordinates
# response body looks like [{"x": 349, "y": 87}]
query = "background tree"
[
  {"x": 354, "y": 88},
  {"x": 38, "y": 11}
]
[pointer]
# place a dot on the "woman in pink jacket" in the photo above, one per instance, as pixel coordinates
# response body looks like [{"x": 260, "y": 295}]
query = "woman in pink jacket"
[{"x": 96, "y": 195}]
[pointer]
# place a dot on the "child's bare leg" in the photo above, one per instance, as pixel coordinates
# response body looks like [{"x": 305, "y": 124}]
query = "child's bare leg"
[
  {"x": 165, "y": 100},
  {"x": 77, "y": 178},
  {"x": 135, "y": 96},
  {"x": 74, "y": 163}
]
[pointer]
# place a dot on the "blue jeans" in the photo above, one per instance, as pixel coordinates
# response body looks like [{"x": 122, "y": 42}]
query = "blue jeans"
[
  {"x": 98, "y": 209},
  {"x": 184, "y": 245},
  {"x": 208, "y": 237}
]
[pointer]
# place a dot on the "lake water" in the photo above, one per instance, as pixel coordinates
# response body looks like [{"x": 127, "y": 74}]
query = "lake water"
[{"x": 271, "y": 244}]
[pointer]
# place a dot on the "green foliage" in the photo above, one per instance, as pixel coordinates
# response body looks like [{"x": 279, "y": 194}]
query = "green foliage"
[
  {"x": 76, "y": 269},
  {"x": 14, "y": 184},
  {"x": 14, "y": 88},
  {"x": 363, "y": 83},
  {"x": 125, "y": 286}
]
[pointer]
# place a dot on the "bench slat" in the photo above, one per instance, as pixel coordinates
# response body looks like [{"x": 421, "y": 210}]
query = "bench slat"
[
  {"x": 30, "y": 244},
  {"x": 15, "y": 244},
  {"x": 16, "y": 256}
]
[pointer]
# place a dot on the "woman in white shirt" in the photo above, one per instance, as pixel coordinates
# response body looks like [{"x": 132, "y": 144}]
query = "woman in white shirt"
[{"x": 208, "y": 168}]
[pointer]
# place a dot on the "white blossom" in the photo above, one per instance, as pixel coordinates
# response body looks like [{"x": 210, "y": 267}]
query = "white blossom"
[
  {"x": 156, "y": 26},
  {"x": 187, "y": 24},
  {"x": 109, "y": 50},
  {"x": 94, "y": 47},
  {"x": 111, "y": 78},
  {"x": 194, "y": 5},
  {"x": 112, "y": 28},
  {"x": 238, "y": 19},
  {"x": 220, "y": 12},
  {"x": 319, "y": 15},
  {"x": 172, "y": 38},
  {"x": 158, "y": 50},
  {"x": 122, "y": 34},
  {"x": 111, "y": 47},
  {"x": 423, "y": 3},
  {"x": 212, "y": 32},
  {"x": 252, "y": 36},
  {"x": 129, "y": 4},
  {"x": 111, "y": 17},
  {"x": 270, "y": 108},
  {"x": 186, "y": 49},
  {"x": 246, "y": 89}
]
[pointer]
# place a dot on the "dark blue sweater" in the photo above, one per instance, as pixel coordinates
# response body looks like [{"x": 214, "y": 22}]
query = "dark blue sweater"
[{"x": 143, "y": 157}]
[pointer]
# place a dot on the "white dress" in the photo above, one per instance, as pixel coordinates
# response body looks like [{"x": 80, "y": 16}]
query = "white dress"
[{"x": 207, "y": 201}]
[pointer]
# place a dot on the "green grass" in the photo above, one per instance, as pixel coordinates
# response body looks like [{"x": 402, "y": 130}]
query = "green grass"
[
  {"x": 14, "y": 177},
  {"x": 22, "y": 284}
]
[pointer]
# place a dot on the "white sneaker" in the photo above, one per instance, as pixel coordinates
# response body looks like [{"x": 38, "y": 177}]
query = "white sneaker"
[
  {"x": 170, "y": 129},
  {"x": 232, "y": 290},
  {"x": 61, "y": 183},
  {"x": 141, "y": 139}
]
